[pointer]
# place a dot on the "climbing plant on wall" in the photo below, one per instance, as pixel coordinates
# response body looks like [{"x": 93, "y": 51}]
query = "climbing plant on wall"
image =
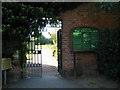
[{"x": 108, "y": 53}]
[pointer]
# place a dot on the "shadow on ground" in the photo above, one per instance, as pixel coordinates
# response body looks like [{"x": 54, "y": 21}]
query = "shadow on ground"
[{"x": 54, "y": 80}]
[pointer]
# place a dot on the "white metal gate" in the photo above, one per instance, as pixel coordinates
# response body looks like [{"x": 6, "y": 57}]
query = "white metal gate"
[{"x": 34, "y": 58}]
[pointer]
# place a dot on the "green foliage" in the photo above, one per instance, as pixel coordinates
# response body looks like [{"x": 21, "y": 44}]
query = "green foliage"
[
  {"x": 18, "y": 22},
  {"x": 53, "y": 37},
  {"x": 112, "y": 7},
  {"x": 23, "y": 50},
  {"x": 42, "y": 40},
  {"x": 21, "y": 19},
  {"x": 108, "y": 53},
  {"x": 9, "y": 45}
]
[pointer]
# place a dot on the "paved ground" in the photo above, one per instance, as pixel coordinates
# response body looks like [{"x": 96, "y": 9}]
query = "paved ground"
[
  {"x": 51, "y": 79},
  {"x": 56, "y": 81}
]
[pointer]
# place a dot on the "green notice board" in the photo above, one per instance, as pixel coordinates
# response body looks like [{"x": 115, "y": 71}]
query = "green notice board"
[{"x": 85, "y": 39}]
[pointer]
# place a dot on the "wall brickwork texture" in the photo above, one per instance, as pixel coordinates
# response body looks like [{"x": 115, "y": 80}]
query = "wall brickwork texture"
[{"x": 85, "y": 15}]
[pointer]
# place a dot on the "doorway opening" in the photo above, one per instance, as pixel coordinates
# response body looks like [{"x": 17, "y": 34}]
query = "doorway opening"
[
  {"x": 50, "y": 62},
  {"x": 43, "y": 55}
]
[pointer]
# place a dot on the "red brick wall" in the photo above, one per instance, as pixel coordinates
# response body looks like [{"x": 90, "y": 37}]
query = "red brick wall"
[{"x": 83, "y": 16}]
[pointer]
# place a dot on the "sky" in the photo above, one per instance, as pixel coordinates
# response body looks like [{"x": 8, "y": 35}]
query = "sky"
[{"x": 49, "y": 29}]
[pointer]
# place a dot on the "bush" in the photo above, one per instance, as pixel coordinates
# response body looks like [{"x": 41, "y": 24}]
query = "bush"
[{"x": 108, "y": 53}]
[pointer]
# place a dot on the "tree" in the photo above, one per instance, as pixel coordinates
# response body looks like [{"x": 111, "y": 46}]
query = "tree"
[
  {"x": 20, "y": 20},
  {"x": 42, "y": 40},
  {"x": 53, "y": 37}
]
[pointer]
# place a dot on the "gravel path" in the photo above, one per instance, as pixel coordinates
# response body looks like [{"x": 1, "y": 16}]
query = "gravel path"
[{"x": 49, "y": 63}]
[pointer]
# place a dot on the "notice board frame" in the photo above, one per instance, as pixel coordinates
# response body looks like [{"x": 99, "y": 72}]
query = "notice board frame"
[{"x": 83, "y": 49}]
